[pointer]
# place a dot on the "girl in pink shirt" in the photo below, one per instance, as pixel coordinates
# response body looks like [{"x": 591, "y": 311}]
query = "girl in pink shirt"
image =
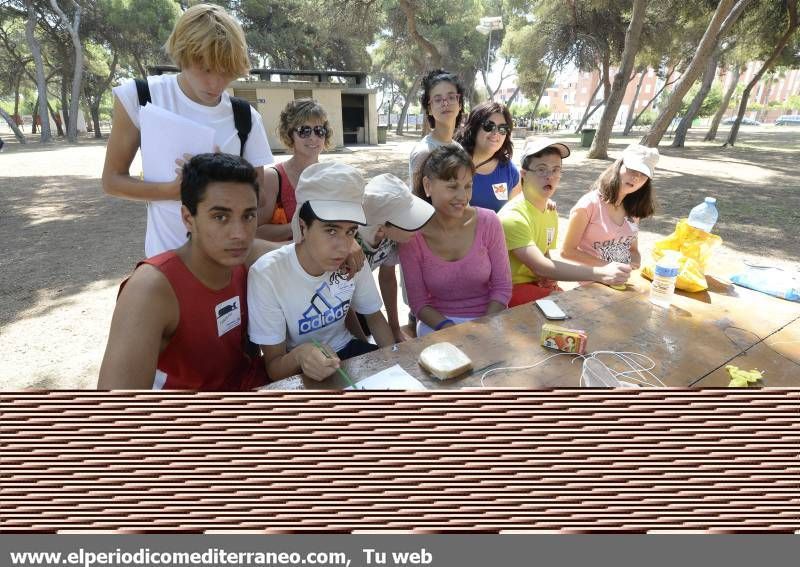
[
  {"x": 604, "y": 223},
  {"x": 456, "y": 268}
]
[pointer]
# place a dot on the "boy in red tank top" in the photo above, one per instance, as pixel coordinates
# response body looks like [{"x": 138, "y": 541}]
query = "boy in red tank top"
[{"x": 181, "y": 319}]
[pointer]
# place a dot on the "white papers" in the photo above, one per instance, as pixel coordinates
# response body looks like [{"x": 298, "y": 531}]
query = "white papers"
[
  {"x": 166, "y": 136},
  {"x": 393, "y": 378}
]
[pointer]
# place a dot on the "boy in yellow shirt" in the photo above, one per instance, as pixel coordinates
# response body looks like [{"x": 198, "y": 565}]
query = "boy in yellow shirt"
[{"x": 531, "y": 230}]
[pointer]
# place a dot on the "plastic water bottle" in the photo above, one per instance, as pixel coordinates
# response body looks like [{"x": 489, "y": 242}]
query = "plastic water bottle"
[
  {"x": 704, "y": 215},
  {"x": 665, "y": 274}
]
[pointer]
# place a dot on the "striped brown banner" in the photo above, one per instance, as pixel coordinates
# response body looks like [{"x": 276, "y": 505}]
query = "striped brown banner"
[{"x": 441, "y": 462}]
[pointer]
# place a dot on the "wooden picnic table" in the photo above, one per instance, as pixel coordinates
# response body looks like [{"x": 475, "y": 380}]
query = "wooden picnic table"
[{"x": 690, "y": 343}]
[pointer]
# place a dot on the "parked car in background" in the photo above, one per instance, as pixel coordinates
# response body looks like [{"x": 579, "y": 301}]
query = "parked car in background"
[
  {"x": 788, "y": 120},
  {"x": 746, "y": 121}
]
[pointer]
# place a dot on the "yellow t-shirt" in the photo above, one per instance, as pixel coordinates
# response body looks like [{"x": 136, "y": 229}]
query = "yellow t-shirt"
[{"x": 524, "y": 225}]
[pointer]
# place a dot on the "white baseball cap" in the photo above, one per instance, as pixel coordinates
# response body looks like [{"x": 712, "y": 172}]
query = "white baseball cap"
[
  {"x": 536, "y": 144},
  {"x": 388, "y": 200},
  {"x": 334, "y": 190},
  {"x": 640, "y": 158}
]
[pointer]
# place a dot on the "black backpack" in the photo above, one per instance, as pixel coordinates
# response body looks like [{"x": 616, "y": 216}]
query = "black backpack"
[{"x": 242, "y": 119}]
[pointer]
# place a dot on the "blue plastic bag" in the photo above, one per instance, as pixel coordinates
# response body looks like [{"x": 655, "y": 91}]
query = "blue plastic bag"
[{"x": 770, "y": 280}]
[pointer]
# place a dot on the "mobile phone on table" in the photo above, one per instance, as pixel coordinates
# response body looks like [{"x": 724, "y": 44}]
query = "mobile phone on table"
[{"x": 550, "y": 309}]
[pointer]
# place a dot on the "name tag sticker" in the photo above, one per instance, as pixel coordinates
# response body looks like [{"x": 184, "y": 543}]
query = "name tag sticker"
[
  {"x": 229, "y": 315},
  {"x": 500, "y": 191}
]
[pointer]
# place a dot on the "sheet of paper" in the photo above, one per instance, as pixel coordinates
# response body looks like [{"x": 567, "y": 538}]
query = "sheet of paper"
[
  {"x": 166, "y": 136},
  {"x": 393, "y": 378}
]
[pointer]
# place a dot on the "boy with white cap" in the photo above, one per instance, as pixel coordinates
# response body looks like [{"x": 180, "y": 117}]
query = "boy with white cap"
[
  {"x": 393, "y": 214},
  {"x": 531, "y": 230},
  {"x": 604, "y": 223},
  {"x": 298, "y": 297}
]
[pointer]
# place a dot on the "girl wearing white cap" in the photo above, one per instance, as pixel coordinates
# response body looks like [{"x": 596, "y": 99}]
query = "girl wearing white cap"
[
  {"x": 604, "y": 223},
  {"x": 394, "y": 215}
]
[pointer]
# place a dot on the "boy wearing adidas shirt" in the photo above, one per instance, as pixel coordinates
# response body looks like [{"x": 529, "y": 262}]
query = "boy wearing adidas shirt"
[{"x": 298, "y": 296}]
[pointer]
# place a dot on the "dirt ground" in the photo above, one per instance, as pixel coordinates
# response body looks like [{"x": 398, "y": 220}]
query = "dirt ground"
[{"x": 66, "y": 245}]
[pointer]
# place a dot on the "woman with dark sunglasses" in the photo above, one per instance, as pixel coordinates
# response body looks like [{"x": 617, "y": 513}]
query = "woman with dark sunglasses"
[
  {"x": 486, "y": 136},
  {"x": 442, "y": 101},
  {"x": 304, "y": 129}
]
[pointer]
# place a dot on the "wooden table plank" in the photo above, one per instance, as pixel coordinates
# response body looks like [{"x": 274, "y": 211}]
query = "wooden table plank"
[
  {"x": 699, "y": 333},
  {"x": 778, "y": 356}
]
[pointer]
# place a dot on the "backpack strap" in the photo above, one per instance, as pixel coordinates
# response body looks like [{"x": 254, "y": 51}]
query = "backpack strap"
[
  {"x": 242, "y": 120},
  {"x": 278, "y": 173},
  {"x": 143, "y": 90}
]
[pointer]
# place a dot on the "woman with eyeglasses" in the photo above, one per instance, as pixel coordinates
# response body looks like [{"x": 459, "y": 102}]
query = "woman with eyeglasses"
[
  {"x": 442, "y": 101},
  {"x": 486, "y": 136},
  {"x": 304, "y": 129}
]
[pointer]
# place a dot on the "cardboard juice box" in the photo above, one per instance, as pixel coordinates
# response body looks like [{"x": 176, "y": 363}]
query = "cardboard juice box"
[{"x": 563, "y": 339}]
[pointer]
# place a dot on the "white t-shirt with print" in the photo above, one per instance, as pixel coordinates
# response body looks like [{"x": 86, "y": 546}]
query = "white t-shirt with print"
[
  {"x": 283, "y": 299},
  {"x": 165, "y": 230}
]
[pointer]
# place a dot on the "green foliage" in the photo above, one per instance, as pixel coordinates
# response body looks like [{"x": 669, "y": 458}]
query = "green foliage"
[
  {"x": 710, "y": 104},
  {"x": 647, "y": 118},
  {"x": 792, "y": 103}
]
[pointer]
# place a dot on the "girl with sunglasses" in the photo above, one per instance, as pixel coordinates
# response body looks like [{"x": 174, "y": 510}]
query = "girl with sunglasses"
[
  {"x": 442, "y": 100},
  {"x": 486, "y": 136},
  {"x": 456, "y": 267},
  {"x": 305, "y": 130}
]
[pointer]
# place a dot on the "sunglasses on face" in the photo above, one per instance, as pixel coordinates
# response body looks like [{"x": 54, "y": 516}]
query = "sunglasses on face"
[
  {"x": 490, "y": 127},
  {"x": 305, "y": 131}
]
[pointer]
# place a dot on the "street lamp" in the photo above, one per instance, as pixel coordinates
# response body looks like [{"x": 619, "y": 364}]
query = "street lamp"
[{"x": 486, "y": 27}]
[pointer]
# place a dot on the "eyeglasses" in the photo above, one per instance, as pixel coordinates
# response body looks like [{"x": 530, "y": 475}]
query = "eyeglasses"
[
  {"x": 305, "y": 131},
  {"x": 544, "y": 171},
  {"x": 490, "y": 127},
  {"x": 451, "y": 98}
]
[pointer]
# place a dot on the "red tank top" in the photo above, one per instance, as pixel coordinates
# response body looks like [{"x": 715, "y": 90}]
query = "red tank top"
[
  {"x": 286, "y": 196},
  {"x": 210, "y": 349}
]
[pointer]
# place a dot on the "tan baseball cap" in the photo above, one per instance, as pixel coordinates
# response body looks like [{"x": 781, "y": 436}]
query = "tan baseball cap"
[
  {"x": 641, "y": 158},
  {"x": 388, "y": 200},
  {"x": 335, "y": 192}
]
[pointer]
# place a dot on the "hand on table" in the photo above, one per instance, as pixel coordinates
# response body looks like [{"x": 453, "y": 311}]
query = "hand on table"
[{"x": 614, "y": 273}]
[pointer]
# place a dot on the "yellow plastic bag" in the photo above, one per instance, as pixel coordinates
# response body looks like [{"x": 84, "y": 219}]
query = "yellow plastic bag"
[{"x": 696, "y": 247}]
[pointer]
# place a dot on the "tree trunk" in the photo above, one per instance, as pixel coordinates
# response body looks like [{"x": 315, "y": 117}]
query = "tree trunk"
[
  {"x": 41, "y": 84},
  {"x": 77, "y": 75},
  {"x": 426, "y": 46},
  {"x": 599, "y": 149},
  {"x": 94, "y": 110},
  {"x": 64, "y": 101},
  {"x": 723, "y": 107},
  {"x": 13, "y": 124},
  {"x": 402, "y": 118},
  {"x": 586, "y": 113},
  {"x": 697, "y": 102},
  {"x": 791, "y": 7},
  {"x": 704, "y": 51},
  {"x": 632, "y": 110},
  {"x": 510, "y": 100},
  {"x": 541, "y": 91},
  {"x": 57, "y": 120}
]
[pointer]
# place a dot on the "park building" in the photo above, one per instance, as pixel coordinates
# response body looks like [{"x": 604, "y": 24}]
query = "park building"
[{"x": 351, "y": 106}]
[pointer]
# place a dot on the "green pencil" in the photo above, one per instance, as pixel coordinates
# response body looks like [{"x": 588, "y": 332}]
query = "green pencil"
[{"x": 341, "y": 372}]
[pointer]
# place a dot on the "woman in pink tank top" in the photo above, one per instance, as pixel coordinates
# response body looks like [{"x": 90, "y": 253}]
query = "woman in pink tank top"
[
  {"x": 604, "y": 223},
  {"x": 305, "y": 131}
]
